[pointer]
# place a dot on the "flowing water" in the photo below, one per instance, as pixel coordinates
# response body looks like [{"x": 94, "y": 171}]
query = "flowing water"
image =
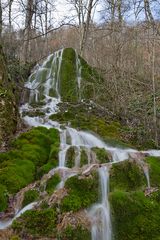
[
  {"x": 44, "y": 81},
  {"x": 100, "y": 212}
]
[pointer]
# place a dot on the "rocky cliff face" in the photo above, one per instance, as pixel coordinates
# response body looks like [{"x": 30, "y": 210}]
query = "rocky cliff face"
[{"x": 8, "y": 108}]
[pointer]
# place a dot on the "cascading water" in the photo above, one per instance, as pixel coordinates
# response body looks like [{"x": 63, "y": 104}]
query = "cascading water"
[
  {"x": 44, "y": 85},
  {"x": 78, "y": 74},
  {"x": 100, "y": 212}
]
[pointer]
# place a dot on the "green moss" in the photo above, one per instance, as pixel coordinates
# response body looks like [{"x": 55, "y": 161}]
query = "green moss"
[
  {"x": 154, "y": 170},
  {"x": 53, "y": 156},
  {"x": 15, "y": 237},
  {"x": 75, "y": 233},
  {"x": 82, "y": 193},
  {"x": 85, "y": 119},
  {"x": 16, "y": 174},
  {"x": 84, "y": 158},
  {"x": 37, "y": 223},
  {"x": 31, "y": 151},
  {"x": 134, "y": 216},
  {"x": 3, "y": 198},
  {"x": 70, "y": 157},
  {"x": 44, "y": 169},
  {"x": 52, "y": 183},
  {"x": 29, "y": 197},
  {"x": 102, "y": 155},
  {"x": 126, "y": 176},
  {"x": 68, "y": 81}
]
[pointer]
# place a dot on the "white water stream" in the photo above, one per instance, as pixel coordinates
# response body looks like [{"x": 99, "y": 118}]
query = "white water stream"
[
  {"x": 100, "y": 212},
  {"x": 41, "y": 82}
]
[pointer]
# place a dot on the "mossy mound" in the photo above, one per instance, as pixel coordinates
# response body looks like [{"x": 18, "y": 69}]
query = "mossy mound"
[
  {"x": 134, "y": 216},
  {"x": 101, "y": 154},
  {"x": 83, "y": 158},
  {"x": 72, "y": 233},
  {"x": 82, "y": 193},
  {"x": 52, "y": 183},
  {"x": 30, "y": 152},
  {"x": 3, "y": 198},
  {"x": 70, "y": 157},
  {"x": 68, "y": 81},
  {"x": 37, "y": 223},
  {"x": 154, "y": 170},
  {"x": 127, "y": 176},
  {"x": 29, "y": 197}
]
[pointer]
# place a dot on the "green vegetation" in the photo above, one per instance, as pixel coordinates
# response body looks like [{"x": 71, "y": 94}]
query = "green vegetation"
[
  {"x": 31, "y": 151},
  {"x": 85, "y": 119},
  {"x": 29, "y": 197},
  {"x": 36, "y": 223},
  {"x": 75, "y": 233},
  {"x": 8, "y": 102},
  {"x": 68, "y": 83},
  {"x": 134, "y": 216},
  {"x": 82, "y": 193},
  {"x": 3, "y": 198},
  {"x": 70, "y": 157},
  {"x": 154, "y": 170},
  {"x": 102, "y": 155},
  {"x": 52, "y": 183},
  {"x": 127, "y": 176},
  {"x": 84, "y": 158}
]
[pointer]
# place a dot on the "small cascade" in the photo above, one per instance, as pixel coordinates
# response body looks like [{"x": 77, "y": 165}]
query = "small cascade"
[
  {"x": 100, "y": 213},
  {"x": 6, "y": 223},
  {"x": 146, "y": 173},
  {"x": 63, "y": 148},
  {"x": 46, "y": 78},
  {"x": 78, "y": 74}
]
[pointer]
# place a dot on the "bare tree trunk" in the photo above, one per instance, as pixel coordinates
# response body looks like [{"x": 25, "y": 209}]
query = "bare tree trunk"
[
  {"x": 46, "y": 26},
  {"x": 119, "y": 10},
  {"x": 112, "y": 6},
  {"x": 148, "y": 12},
  {"x": 86, "y": 26},
  {"x": 10, "y": 13},
  {"x": 0, "y": 20},
  {"x": 27, "y": 31},
  {"x": 154, "y": 94}
]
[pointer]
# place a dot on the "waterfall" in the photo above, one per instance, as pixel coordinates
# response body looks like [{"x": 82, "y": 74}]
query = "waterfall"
[
  {"x": 100, "y": 213},
  {"x": 44, "y": 84},
  {"x": 146, "y": 173},
  {"x": 78, "y": 74}
]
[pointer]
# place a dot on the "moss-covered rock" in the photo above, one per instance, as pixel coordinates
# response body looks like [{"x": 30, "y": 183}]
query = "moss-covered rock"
[
  {"x": 3, "y": 198},
  {"x": 127, "y": 176},
  {"x": 101, "y": 154},
  {"x": 37, "y": 223},
  {"x": 84, "y": 118},
  {"x": 82, "y": 193},
  {"x": 75, "y": 233},
  {"x": 84, "y": 157},
  {"x": 29, "y": 197},
  {"x": 134, "y": 216},
  {"x": 154, "y": 170},
  {"x": 70, "y": 157},
  {"x": 31, "y": 151},
  {"x": 52, "y": 183}
]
